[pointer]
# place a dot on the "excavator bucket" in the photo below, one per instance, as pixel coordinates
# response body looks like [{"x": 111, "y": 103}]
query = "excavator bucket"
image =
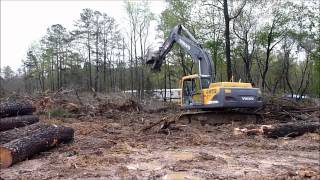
[{"x": 153, "y": 59}]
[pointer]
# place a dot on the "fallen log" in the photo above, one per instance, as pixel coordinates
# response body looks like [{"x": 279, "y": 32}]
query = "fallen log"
[
  {"x": 41, "y": 140},
  {"x": 281, "y": 130},
  {"x": 152, "y": 125},
  {"x": 8, "y": 109},
  {"x": 18, "y": 121},
  {"x": 290, "y": 129},
  {"x": 16, "y": 133}
]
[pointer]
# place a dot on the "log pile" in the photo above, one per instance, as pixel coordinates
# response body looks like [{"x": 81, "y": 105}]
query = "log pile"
[
  {"x": 22, "y": 136},
  {"x": 41, "y": 140},
  {"x": 16, "y": 114}
]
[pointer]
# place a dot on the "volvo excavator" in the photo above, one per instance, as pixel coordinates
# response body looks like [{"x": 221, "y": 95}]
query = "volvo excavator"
[{"x": 199, "y": 92}]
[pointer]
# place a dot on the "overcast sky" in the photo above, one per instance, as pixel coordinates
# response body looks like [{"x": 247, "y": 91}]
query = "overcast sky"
[{"x": 23, "y": 22}]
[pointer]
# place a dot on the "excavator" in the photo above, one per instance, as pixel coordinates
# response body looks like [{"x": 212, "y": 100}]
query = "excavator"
[{"x": 200, "y": 91}]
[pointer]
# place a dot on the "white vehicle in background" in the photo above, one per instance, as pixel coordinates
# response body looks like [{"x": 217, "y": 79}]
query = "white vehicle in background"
[
  {"x": 173, "y": 94},
  {"x": 295, "y": 96},
  {"x": 162, "y": 94}
]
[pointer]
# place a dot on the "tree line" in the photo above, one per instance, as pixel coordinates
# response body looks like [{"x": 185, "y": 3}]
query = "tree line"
[{"x": 271, "y": 44}]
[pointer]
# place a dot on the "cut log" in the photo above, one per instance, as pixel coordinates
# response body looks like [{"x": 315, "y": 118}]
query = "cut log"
[
  {"x": 16, "y": 133},
  {"x": 41, "y": 140},
  {"x": 8, "y": 109},
  {"x": 281, "y": 130},
  {"x": 290, "y": 129},
  {"x": 19, "y": 121}
]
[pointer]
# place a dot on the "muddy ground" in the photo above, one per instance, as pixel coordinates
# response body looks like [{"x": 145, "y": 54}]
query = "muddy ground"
[{"x": 111, "y": 146}]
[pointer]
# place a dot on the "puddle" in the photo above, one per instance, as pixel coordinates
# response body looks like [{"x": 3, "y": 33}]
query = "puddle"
[
  {"x": 180, "y": 176},
  {"x": 151, "y": 166}
]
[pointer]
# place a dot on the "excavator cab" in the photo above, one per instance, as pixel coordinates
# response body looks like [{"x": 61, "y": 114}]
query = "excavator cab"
[{"x": 192, "y": 87}]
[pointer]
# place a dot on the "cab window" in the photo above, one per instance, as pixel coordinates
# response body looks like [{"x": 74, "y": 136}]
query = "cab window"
[{"x": 205, "y": 82}]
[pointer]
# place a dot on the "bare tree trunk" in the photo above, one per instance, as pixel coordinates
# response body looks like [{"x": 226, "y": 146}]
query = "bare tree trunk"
[
  {"x": 142, "y": 64},
  {"x": 137, "y": 79},
  {"x": 122, "y": 67},
  {"x": 227, "y": 39},
  {"x": 165, "y": 81},
  {"x": 97, "y": 61},
  {"x": 131, "y": 65},
  {"x": 89, "y": 56},
  {"x": 57, "y": 69},
  {"x": 104, "y": 62},
  {"x": 303, "y": 76},
  {"x": 51, "y": 73}
]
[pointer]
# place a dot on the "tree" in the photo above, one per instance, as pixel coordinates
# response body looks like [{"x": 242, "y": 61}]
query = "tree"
[
  {"x": 140, "y": 17},
  {"x": 8, "y": 73},
  {"x": 269, "y": 37},
  {"x": 84, "y": 32},
  {"x": 244, "y": 27}
]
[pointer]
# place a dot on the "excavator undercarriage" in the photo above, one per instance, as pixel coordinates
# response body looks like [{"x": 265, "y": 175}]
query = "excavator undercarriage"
[{"x": 220, "y": 116}]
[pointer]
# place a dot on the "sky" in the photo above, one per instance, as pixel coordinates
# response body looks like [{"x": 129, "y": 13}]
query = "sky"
[{"x": 26, "y": 21}]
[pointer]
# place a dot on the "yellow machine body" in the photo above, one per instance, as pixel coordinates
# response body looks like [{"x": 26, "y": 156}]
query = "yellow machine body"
[{"x": 198, "y": 92}]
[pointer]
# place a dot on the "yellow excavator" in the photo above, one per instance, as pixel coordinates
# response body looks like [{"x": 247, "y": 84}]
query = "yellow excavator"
[{"x": 200, "y": 91}]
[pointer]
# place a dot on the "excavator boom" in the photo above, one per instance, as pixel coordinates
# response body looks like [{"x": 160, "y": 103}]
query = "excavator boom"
[{"x": 184, "y": 38}]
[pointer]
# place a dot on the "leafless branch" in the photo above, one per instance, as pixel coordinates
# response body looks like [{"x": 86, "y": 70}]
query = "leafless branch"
[{"x": 239, "y": 10}]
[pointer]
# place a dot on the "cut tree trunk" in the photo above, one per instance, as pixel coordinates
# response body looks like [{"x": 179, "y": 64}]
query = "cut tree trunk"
[
  {"x": 15, "y": 122},
  {"x": 8, "y": 109},
  {"x": 290, "y": 129},
  {"x": 281, "y": 130},
  {"x": 41, "y": 140},
  {"x": 16, "y": 133}
]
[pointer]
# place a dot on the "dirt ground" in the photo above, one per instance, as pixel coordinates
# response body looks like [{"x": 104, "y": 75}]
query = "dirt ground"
[{"x": 112, "y": 146}]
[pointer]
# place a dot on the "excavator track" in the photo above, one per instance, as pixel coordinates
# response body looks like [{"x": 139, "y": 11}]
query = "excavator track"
[{"x": 218, "y": 117}]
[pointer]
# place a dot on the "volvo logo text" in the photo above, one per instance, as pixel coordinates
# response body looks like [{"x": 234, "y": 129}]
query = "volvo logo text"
[{"x": 247, "y": 98}]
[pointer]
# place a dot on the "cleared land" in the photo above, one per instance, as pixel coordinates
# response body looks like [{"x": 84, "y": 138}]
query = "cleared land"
[{"x": 111, "y": 145}]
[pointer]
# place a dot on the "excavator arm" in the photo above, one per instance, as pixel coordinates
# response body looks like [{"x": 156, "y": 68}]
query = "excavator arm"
[{"x": 184, "y": 38}]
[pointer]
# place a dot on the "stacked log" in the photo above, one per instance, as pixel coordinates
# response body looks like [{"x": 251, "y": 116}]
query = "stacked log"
[
  {"x": 21, "y": 138},
  {"x": 16, "y": 133},
  {"x": 18, "y": 121},
  {"x": 41, "y": 140},
  {"x": 8, "y": 109}
]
